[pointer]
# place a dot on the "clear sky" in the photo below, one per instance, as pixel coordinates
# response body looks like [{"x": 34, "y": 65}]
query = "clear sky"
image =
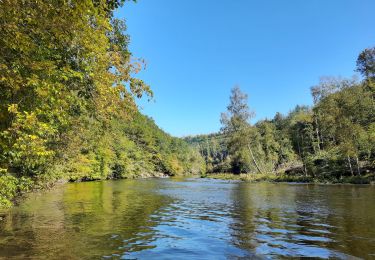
[{"x": 275, "y": 50}]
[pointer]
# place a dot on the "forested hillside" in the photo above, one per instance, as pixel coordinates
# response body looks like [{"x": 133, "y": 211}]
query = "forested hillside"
[
  {"x": 67, "y": 99},
  {"x": 333, "y": 139}
]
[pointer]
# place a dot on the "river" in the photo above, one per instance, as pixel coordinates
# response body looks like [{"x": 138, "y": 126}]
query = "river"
[{"x": 191, "y": 218}]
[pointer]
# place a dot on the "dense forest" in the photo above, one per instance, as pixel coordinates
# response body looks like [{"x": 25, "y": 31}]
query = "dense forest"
[
  {"x": 330, "y": 141},
  {"x": 68, "y": 87}
]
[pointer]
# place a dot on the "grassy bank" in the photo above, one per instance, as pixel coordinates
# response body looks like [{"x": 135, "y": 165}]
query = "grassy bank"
[{"x": 365, "y": 179}]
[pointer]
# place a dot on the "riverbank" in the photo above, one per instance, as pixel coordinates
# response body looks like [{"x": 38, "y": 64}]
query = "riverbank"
[{"x": 365, "y": 179}]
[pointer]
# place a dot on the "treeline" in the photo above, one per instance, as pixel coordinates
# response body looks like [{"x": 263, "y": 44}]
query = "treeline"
[
  {"x": 67, "y": 99},
  {"x": 333, "y": 139}
]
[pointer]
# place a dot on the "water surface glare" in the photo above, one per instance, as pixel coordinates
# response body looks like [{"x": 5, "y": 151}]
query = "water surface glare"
[{"x": 191, "y": 219}]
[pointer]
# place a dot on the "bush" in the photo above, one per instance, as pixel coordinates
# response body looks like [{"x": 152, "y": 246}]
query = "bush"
[{"x": 10, "y": 186}]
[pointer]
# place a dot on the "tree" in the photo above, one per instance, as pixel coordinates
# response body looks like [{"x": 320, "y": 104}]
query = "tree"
[
  {"x": 366, "y": 63},
  {"x": 236, "y": 126}
]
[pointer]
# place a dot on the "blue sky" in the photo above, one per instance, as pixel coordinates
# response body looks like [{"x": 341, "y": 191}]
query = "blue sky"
[{"x": 275, "y": 50}]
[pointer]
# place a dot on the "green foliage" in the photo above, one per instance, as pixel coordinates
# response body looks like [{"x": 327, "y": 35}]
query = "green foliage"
[
  {"x": 213, "y": 149},
  {"x": 10, "y": 186},
  {"x": 127, "y": 150},
  {"x": 366, "y": 63},
  {"x": 67, "y": 99}
]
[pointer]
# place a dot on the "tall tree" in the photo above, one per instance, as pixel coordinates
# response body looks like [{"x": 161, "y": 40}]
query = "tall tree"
[
  {"x": 366, "y": 63},
  {"x": 235, "y": 124}
]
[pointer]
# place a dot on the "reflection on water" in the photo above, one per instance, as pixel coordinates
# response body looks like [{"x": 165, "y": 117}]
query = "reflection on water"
[
  {"x": 191, "y": 219},
  {"x": 305, "y": 220}
]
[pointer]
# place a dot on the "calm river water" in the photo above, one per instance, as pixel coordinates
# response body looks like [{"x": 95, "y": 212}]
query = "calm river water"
[{"x": 191, "y": 219}]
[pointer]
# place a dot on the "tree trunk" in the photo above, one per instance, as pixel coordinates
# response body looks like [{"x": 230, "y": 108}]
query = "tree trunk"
[
  {"x": 303, "y": 158},
  {"x": 299, "y": 147},
  {"x": 300, "y": 155},
  {"x": 317, "y": 132},
  {"x": 253, "y": 158},
  {"x": 350, "y": 166},
  {"x": 304, "y": 168},
  {"x": 358, "y": 168}
]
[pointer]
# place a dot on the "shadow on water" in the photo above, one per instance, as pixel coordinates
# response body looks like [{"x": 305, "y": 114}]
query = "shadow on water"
[{"x": 191, "y": 219}]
